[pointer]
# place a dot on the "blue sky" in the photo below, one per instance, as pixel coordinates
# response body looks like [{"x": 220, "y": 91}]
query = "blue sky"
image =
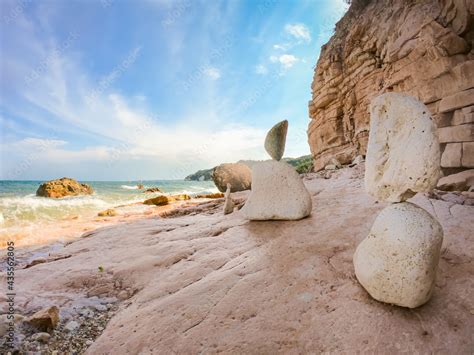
[{"x": 131, "y": 90}]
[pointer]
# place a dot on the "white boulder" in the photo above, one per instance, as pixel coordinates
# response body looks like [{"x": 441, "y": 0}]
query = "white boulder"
[
  {"x": 277, "y": 193},
  {"x": 397, "y": 262},
  {"x": 403, "y": 155}
]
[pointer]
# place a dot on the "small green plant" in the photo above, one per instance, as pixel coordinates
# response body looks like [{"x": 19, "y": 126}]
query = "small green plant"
[{"x": 101, "y": 269}]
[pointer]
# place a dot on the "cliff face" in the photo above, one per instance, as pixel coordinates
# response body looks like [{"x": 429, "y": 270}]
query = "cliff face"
[{"x": 424, "y": 48}]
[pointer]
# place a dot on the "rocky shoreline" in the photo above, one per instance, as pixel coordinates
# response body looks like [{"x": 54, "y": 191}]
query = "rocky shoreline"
[{"x": 190, "y": 279}]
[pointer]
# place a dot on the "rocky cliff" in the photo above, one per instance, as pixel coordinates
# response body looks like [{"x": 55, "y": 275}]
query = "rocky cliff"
[{"x": 424, "y": 48}]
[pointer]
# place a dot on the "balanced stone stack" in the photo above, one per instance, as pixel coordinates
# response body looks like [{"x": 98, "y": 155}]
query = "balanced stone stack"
[
  {"x": 398, "y": 260},
  {"x": 278, "y": 193}
]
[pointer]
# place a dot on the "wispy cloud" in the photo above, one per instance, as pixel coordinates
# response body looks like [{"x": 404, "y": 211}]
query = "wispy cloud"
[
  {"x": 282, "y": 46},
  {"x": 298, "y": 31},
  {"x": 213, "y": 73},
  {"x": 285, "y": 60},
  {"x": 261, "y": 69}
]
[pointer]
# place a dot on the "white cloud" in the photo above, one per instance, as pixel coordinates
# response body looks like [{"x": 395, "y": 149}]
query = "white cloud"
[
  {"x": 299, "y": 31},
  {"x": 282, "y": 46},
  {"x": 286, "y": 60},
  {"x": 261, "y": 69},
  {"x": 212, "y": 73}
]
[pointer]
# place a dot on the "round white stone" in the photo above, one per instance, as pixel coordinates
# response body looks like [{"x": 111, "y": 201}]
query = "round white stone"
[
  {"x": 277, "y": 193},
  {"x": 397, "y": 261},
  {"x": 403, "y": 155}
]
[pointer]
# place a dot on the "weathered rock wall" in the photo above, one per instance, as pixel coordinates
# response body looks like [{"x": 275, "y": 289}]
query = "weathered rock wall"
[{"x": 424, "y": 48}]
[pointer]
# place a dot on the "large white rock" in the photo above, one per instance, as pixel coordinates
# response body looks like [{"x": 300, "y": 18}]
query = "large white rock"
[
  {"x": 277, "y": 193},
  {"x": 397, "y": 261},
  {"x": 403, "y": 155}
]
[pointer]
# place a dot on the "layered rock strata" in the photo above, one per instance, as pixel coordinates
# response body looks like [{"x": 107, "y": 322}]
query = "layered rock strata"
[{"x": 423, "y": 48}]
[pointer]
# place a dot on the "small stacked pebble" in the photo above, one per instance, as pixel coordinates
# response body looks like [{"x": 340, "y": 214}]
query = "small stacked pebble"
[{"x": 397, "y": 262}]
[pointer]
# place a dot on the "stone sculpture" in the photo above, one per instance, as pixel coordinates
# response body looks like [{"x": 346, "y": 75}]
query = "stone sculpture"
[
  {"x": 397, "y": 262},
  {"x": 277, "y": 193}
]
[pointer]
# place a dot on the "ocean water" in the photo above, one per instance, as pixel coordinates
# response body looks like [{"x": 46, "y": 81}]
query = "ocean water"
[{"x": 23, "y": 214}]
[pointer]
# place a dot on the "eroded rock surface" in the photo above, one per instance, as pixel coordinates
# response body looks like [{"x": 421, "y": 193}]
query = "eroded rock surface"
[
  {"x": 403, "y": 155},
  {"x": 423, "y": 48},
  {"x": 203, "y": 282},
  {"x": 398, "y": 260}
]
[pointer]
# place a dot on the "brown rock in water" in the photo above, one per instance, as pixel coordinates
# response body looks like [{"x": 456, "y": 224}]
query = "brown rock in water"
[
  {"x": 62, "y": 188},
  {"x": 45, "y": 319},
  {"x": 181, "y": 197},
  {"x": 140, "y": 186},
  {"x": 422, "y": 48},
  {"x": 152, "y": 189},
  {"x": 276, "y": 139},
  {"x": 107, "y": 213},
  {"x": 158, "y": 201},
  {"x": 238, "y": 175},
  {"x": 164, "y": 200},
  {"x": 214, "y": 195}
]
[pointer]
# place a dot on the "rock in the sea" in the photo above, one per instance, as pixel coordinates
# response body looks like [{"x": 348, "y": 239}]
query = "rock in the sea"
[
  {"x": 45, "y": 319},
  {"x": 152, "y": 189},
  {"x": 107, "y": 213},
  {"x": 277, "y": 193},
  {"x": 462, "y": 181},
  {"x": 228, "y": 203},
  {"x": 276, "y": 139},
  {"x": 214, "y": 195},
  {"x": 62, "y": 188},
  {"x": 238, "y": 175},
  {"x": 397, "y": 262},
  {"x": 157, "y": 201},
  {"x": 180, "y": 197},
  {"x": 403, "y": 155},
  {"x": 140, "y": 186}
]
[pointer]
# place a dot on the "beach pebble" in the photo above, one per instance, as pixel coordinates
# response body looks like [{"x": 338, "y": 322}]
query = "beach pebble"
[
  {"x": 397, "y": 261},
  {"x": 100, "y": 307},
  {"x": 86, "y": 312},
  {"x": 45, "y": 319},
  {"x": 277, "y": 193},
  {"x": 122, "y": 295},
  {"x": 403, "y": 155},
  {"x": 42, "y": 337},
  {"x": 276, "y": 139},
  {"x": 71, "y": 326}
]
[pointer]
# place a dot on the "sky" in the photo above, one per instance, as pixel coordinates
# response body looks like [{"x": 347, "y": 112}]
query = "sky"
[{"x": 143, "y": 90}]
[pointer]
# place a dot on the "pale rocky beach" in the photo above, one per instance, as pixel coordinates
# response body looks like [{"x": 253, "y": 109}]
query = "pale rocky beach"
[
  {"x": 365, "y": 246},
  {"x": 196, "y": 280}
]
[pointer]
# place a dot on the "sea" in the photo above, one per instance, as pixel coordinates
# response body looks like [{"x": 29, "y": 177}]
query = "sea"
[{"x": 31, "y": 220}]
